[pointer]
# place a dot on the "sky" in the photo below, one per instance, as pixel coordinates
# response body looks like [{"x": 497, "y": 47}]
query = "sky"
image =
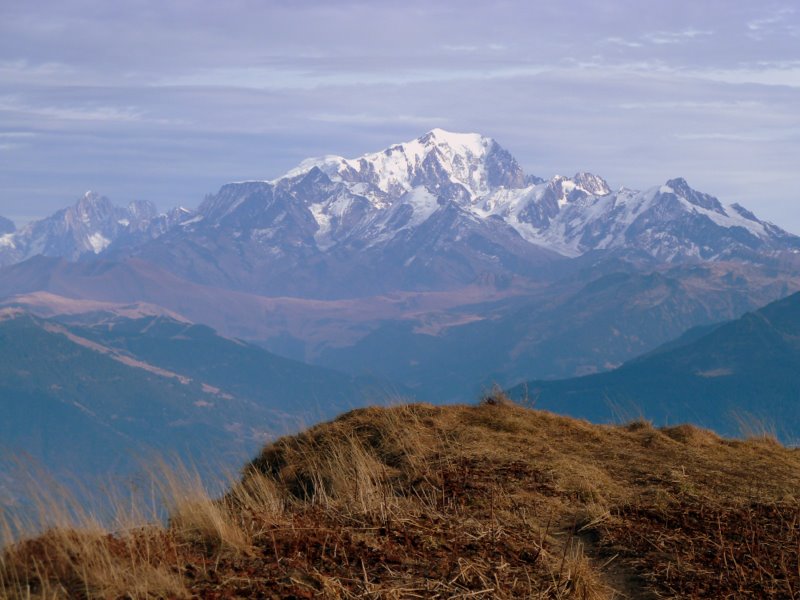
[{"x": 168, "y": 100}]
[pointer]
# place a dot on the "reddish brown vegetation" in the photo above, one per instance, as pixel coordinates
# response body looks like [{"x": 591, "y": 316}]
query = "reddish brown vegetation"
[{"x": 493, "y": 501}]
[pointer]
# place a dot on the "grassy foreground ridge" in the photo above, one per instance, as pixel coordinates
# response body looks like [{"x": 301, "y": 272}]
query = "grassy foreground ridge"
[{"x": 487, "y": 501}]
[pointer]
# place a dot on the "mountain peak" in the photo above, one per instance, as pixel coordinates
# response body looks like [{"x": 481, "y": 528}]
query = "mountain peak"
[
  {"x": 488, "y": 165},
  {"x": 439, "y": 157},
  {"x": 142, "y": 209},
  {"x": 463, "y": 143},
  {"x": 680, "y": 187},
  {"x": 91, "y": 198},
  {"x": 90, "y": 207},
  {"x": 591, "y": 183},
  {"x": 471, "y": 161},
  {"x": 90, "y": 225}
]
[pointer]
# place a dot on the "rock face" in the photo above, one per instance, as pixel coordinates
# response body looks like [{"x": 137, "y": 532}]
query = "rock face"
[{"x": 438, "y": 212}]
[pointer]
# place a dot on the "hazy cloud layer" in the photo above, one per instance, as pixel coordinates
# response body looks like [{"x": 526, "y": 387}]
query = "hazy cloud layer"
[{"x": 168, "y": 102}]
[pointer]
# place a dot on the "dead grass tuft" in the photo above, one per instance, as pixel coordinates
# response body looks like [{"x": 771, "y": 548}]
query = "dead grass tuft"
[
  {"x": 85, "y": 564},
  {"x": 755, "y": 428},
  {"x": 689, "y": 434},
  {"x": 639, "y": 424},
  {"x": 497, "y": 397},
  {"x": 194, "y": 516}
]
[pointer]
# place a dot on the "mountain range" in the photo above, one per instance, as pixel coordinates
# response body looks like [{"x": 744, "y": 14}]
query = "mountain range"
[
  {"x": 737, "y": 377},
  {"x": 438, "y": 264},
  {"x": 87, "y": 227},
  {"x": 438, "y": 212},
  {"x": 572, "y": 327},
  {"x": 95, "y": 392}
]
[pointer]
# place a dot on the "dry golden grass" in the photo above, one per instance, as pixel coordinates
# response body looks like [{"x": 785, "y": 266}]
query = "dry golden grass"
[{"x": 487, "y": 501}]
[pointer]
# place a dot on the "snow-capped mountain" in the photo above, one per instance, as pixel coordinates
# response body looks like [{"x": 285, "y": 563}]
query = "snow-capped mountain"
[
  {"x": 90, "y": 226},
  {"x": 437, "y": 161},
  {"x": 376, "y": 195},
  {"x": 668, "y": 222},
  {"x": 404, "y": 218},
  {"x": 437, "y": 212},
  {"x": 441, "y": 210}
]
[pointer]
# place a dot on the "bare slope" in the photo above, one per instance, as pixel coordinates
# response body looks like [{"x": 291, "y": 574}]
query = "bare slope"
[{"x": 492, "y": 501}]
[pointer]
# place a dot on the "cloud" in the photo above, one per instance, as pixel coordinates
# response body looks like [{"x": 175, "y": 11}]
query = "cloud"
[
  {"x": 94, "y": 113},
  {"x": 86, "y": 111},
  {"x": 774, "y": 24},
  {"x": 733, "y": 137},
  {"x": 658, "y": 38},
  {"x": 618, "y": 41},
  {"x": 16, "y": 134},
  {"x": 695, "y": 105},
  {"x": 460, "y": 48},
  {"x": 12, "y": 140},
  {"x": 22, "y": 69},
  {"x": 372, "y": 119},
  {"x": 675, "y": 37},
  {"x": 780, "y": 74},
  {"x": 764, "y": 73},
  {"x": 472, "y": 48},
  {"x": 351, "y": 75}
]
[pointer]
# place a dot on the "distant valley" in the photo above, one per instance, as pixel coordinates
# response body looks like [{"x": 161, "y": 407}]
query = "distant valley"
[{"x": 98, "y": 394}]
